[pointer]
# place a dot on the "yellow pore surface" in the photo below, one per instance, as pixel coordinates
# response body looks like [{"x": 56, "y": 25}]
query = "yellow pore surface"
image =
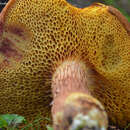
[{"x": 44, "y": 33}]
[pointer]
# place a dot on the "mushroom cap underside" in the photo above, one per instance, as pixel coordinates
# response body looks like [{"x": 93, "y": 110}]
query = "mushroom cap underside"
[{"x": 37, "y": 36}]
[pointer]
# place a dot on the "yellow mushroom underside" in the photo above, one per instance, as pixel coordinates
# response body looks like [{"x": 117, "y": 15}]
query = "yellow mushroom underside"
[{"x": 36, "y": 36}]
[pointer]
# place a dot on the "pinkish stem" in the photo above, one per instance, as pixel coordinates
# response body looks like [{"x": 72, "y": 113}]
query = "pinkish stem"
[{"x": 72, "y": 100}]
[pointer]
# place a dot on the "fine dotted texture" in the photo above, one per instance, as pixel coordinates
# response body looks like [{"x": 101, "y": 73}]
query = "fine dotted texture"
[{"x": 44, "y": 33}]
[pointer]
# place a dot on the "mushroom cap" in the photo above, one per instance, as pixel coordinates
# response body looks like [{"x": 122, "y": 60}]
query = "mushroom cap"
[{"x": 36, "y": 36}]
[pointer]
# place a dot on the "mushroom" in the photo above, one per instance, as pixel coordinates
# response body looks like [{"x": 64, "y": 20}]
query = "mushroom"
[{"x": 80, "y": 55}]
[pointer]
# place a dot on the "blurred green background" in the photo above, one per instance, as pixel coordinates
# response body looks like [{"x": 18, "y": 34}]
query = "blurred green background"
[{"x": 122, "y": 5}]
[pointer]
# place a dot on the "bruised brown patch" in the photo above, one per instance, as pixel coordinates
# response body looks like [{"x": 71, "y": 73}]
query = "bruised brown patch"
[
  {"x": 9, "y": 51},
  {"x": 17, "y": 31},
  {"x": 120, "y": 17}
]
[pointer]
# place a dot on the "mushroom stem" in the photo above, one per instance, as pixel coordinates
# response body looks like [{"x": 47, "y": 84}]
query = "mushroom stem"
[{"x": 73, "y": 106}]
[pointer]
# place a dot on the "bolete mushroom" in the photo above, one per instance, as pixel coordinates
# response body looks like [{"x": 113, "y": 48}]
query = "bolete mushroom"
[{"x": 81, "y": 55}]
